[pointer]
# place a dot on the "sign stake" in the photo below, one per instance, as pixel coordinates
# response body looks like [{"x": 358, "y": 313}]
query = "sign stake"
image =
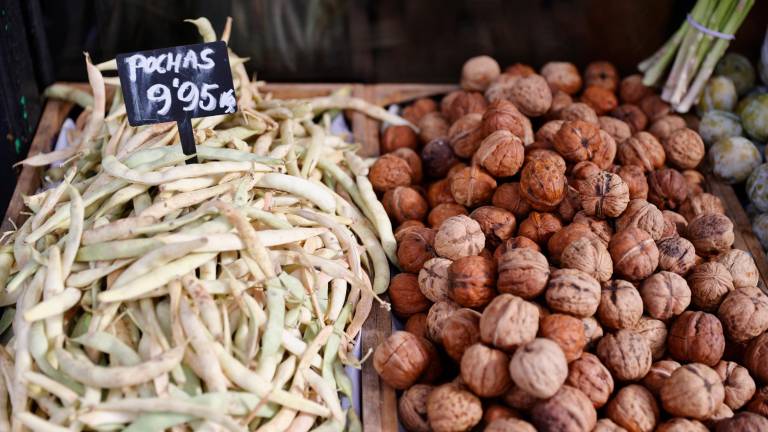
[{"x": 187, "y": 136}]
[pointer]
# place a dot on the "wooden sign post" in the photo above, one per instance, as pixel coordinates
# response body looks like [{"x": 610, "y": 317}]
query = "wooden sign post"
[{"x": 177, "y": 84}]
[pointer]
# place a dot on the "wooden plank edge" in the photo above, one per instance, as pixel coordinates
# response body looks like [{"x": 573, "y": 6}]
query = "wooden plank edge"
[
  {"x": 387, "y": 94},
  {"x": 29, "y": 179},
  {"x": 744, "y": 237}
]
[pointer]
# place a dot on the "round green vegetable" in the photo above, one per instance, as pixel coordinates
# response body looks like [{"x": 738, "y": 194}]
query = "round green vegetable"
[
  {"x": 717, "y": 124},
  {"x": 719, "y": 94},
  {"x": 739, "y": 69},
  {"x": 757, "y": 187},
  {"x": 754, "y": 117},
  {"x": 734, "y": 158},
  {"x": 760, "y": 228}
]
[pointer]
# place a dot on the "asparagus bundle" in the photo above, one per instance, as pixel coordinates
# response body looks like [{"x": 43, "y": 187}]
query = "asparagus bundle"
[
  {"x": 154, "y": 295},
  {"x": 696, "y": 47}
]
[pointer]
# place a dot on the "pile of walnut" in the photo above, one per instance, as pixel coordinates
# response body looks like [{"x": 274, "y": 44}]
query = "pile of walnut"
[{"x": 575, "y": 272}]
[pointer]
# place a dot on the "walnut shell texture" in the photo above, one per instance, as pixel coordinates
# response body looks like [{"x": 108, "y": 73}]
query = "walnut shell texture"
[
  {"x": 401, "y": 359},
  {"x": 626, "y": 354},
  {"x": 461, "y": 329},
  {"x": 523, "y": 272},
  {"x": 590, "y": 376},
  {"x": 573, "y": 292},
  {"x": 539, "y": 368},
  {"x": 634, "y": 177},
  {"x": 665, "y": 294},
  {"x": 744, "y": 313},
  {"x": 415, "y": 247},
  {"x": 643, "y": 150},
  {"x": 644, "y": 215},
  {"x": 451, "y": 409},
  {"x": 634, "y": 253},
  {"x": 496, "y": 223},
  {"x": 620, "y": 305},
  {"x": 696, "y": 336},
  {"x": 590, "y": 256},
  {"x": 501, "y": 153},
  {"x": 466, "y": 134},
  {"x": 694, "y": 390},
  {"x": 459, "y": 236},
  {"x": 412, "y": 408},
  {"x": 604, "y": 195},
  {"x": 577, "y": 140},
  {"x": 742, "y": 267},
  {"x": 739, "y": 385},
  {"x": 472, "y": 186},
  {"x": 569, "y": 410},
  {"x": 436, "y": 318},
  {"x": 667, "y": 188},
  {"x": 433, "y": 279},
  {"x": 655, "y": 332},
  {"x": 711, "y": 233},
  {"x": 660, "y": 371},
  {"x": 684, "y": 148},
  {"x": 634, "y": 408},
  {"x": 472, "y": 281},
  {"x": 566, "y": 331},
  {"x": 710, "y": 282},
  {"x": 542, "y": 185},
  {"x": 676, "y": 255},
  {"x": 509, "y": 321},
  {"x": 756, "y": 357},
  {"x": 508, "y": 197}
]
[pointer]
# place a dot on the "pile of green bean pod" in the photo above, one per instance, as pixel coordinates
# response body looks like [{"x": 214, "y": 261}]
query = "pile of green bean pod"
[{"x": 148, "y": 294}]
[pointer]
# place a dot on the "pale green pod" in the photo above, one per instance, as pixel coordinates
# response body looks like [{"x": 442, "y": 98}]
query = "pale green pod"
[
  {"x": 734, "y": 158},
  {"x": 719, "y": 94},
  {"x": 716, "y": 124},
  {"x": 739, "y": 69},
  {"x": 754, "y": 117}
]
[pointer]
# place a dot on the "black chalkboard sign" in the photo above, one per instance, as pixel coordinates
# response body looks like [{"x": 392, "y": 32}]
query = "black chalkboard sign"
[{"x": 177, "y": 84}]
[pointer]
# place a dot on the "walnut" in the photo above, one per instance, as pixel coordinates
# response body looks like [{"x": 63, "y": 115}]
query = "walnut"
[
  {"x": 508, "y": 197},
  {"x": 459, "y": 236},
  {"x": 478, "y": 72},
  {"x": 405, "y": 295},
  {"x": 742, "y": 267},
  {"x": 582, "y": 171},
  {"x": 466, "y": 134},
  {"x": 542, "y": 185},
  {"x": 710, "y": 282},
  {"x": 433, "y": 127},
  {"x": 433, "y": 279},
  {"x": 531, "y": 95},
  {"x": 501, "y": 153},
  {"x": 461, "y": 329},
  {"x": 562, "y": 76},
  {"x": 402, "y": 358},
  {"x": 660, "y": 371},
  {"x": 439, "y": 192},
  {"x": 405, "y": 227},
  {"x": 642, "y": 149},
  {"x": 417, "y": 324},
  {"x": 472, "y": 186},
  {"x": 644, "y": 215},
  {"x": 519, "y": 70},
  {"x": 759, "y": 402},
  {"x": 504, "y": 115},
  {"x": 674, "y": 224},
  {"x": 676, "y": 255},
  {"x": 570, "y": 205},
  {"x": 654, "y": 107},
  {"x": 722, "y": 412},
  {"x": 412, "y": 408},
  {"x": 631, "y": 115},
  {"x": 620, "y": 305},
  {"x": 548, "y": 131},
  {"x": 606, "y": 152},
  {"x": 443, "y": 212},
  {"x": 497, "y": 224},
  {"x": 599, "y": 99},
  {"x": 696, "y": 337},
  {"x": 695, "y": 181},
  {"x": 682, "y": 425},
  {"x": 472, "y": 280},
  {"x": 573, "y": 292},
  {"x": 523, "y": 272},
  {"x": 569, "y": 410},
  {"x": 563, "y": 238},
  {"x": 634, "y": 253},
  {"x": 519, "y": 399},
  {"x": 626, "y": 353},
  {"x": 590, "y": 256},
  {"x": 540, "y": 227},
  {"x": 413, "y": 160},
  {"x": 547, "y": 156},
  {"x": 632, "y": 89},
  {"x": 602, "y": 74},
  {"x": 566, "y": 331},
  {"x": 461, "y": 104},
  {"x": 388, "y": 172},
  {"x": 418, "y": 109},
  {"x": 663, "y": 127},
  {"x": 577, "y": 140},
  {"x": 616, "y": 128},
  {"x": 665, "y": 294},
  {"x": 739, "y": 385},
  {"x": 744, "y": 313},
  {"x": 395, "y": 137},
  {"x": 579, "y": 111},
  {"x": 743, "y": 422},
  {"x": 560, "y": 101},
  {"x": 756, "y": 357},
  {"x": 485, "y": 370},
  {"x": 606, "y": 425},
  {"x": 451, "y": 409},
  {"x": 634, "y": 408},
  {"x": 436, "y": 318},
  {"x": 701, "y": 203},
  {"x": 414, "y": 248},
  {"x": 634, "y": 177},
  {"x": 498, "y": 412},
  {"x": 404, "y": 203},
  {"x": 602, "y": 229},
  {"x": 693, "y": 390},
  {"x": 539, "y": 368},
  {"x": 655, "y": 332},
  {"x": 684, "y": 148},
  {"x": 590, "y": 376},
  {"x": 518, "y": 242},
  {"x": 501, "y": 87},
  {"x": 604, "y": 195},
  {"x": 437, "y": 158},
  {"x": 667, "y": 188},
  {"x": 592, "y": 330},
  {"x": 711, "y": 233},
  {"x": 509, "y": 425},
  {"x": 509, "y": 321}
]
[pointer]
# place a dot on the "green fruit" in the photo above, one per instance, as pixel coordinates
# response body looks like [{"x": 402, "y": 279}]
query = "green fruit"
[
  {"x": 717, "y": 124},
  {"x": 734, "y": 158},
  {"x": 754, "y": 117},
  {"x": 739, "y": 70},
  {"x": 757, "y": 187},
  {"x": 760, "y": 228},
  {"x": 719, "y": 94}
]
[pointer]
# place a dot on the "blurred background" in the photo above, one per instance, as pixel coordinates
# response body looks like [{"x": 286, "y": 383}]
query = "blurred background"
[{"x": 326, "y": 40}]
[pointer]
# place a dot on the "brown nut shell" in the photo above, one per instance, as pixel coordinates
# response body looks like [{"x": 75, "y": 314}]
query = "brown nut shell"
[
  {"x": 643, "y": 150},
  {"x": 437, "y": 157},
  {"x": 459, "y": 236},
  {"x": 644, "y": 215},
  {"x": 451, "y": 409},
  {"x": 540, "y": 227},
  {"x": 401, "y": 359},
  {"x": 542, "y": 185},
  {"x": 711, "y": 233},
  {"x": 461, "y": 330},
  {"x": 563, "y": 238},
  {"x": 684, "y": 148},
  {"x": 744, "y": 313},
  {"x": 466, "y": 134},
  {"x": 405, "y": 295},
  {"x": 566, "y": 331},
  {"x": 655, "y": 332},
  {"x": 590, "y": 376},
  {"x": 531, "y": 95},
  {"x": 415, "y": 247},
  {"x": 634, "y": 408},
  {"x": 412, "y": 408},
  {"x": 604, "y": 195},
  {"x": 472, "y": 186},
  {"x": 485, "y": 370},
  {"x": 389, "y": 172},
  {"x": 509, "y": 425},
  {"x": 578, "y": 111},
  {"x": 634, "y": 177},
  {"x": 504, "y": 115},
  {"x": 676, "y": 255},
  {"x": 756, "y": 357},
  {"x": 573, "y": 292},
  {"x": 626, "y": 353},
  {"x": 742, "y": 267},
  {"x": 667, "y": 188},
  {"x": 496, "y": 223},
  {"x": 710, "y": 283},
  {"x": 693, "y": 390},
  {"x": 665, "y": 294},
  {"x": 443, "y": 212},
  {"x": 634, "y": 253},
  {"x": 404, "y": 203},
  {"x": 601, "y": 74},
  {"x": 508, "y": 197},
  {"x": 562, "y": 76},
  {"x": 436, "y": 318},
  {"x": 701, "y": 203},
  {"x": 500, "y": 153},
  {"x": 569, "y": 410},
  {"x": 478, "y": 72},
  {"x": 396, "y": 136},
  {"x": 577, "y": 140},
  {"x": 743, "y": 422},
  {"x": 590, "y": 256},
  {"x": 739, "y": 385},
  {"x": 660, "y": 371},
  {"x": 472, "y": 281},
  {"x": 620, "y": 305},
  {"x": 632, "y": 89},
  {"x": 509, "y": 321},
  {"x": 523, "y": 272},
  {"x": 664, "y": 127},
  {"x": 600, "y": 99},
  {"x": 696, "y": 337},
  {"x": 539, "y": 368},
  {"x": 633, "y": 115}
]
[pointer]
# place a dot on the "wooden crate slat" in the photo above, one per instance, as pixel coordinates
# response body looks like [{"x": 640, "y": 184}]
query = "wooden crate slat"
[{"x": 387, "y": 94}]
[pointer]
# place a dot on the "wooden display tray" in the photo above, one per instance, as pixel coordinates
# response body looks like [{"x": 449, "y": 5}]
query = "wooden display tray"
[{"x": 379, "y": 404}]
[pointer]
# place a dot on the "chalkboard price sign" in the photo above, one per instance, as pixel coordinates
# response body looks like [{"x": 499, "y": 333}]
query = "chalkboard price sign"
[{"x": 177, "y": 84}]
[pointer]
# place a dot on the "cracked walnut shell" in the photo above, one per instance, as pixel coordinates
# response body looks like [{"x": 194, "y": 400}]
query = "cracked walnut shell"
[
  {"x": 604, "y": 195},
  {"x": 693, "y": 390},
  {"x": 626, "y": 353}
]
